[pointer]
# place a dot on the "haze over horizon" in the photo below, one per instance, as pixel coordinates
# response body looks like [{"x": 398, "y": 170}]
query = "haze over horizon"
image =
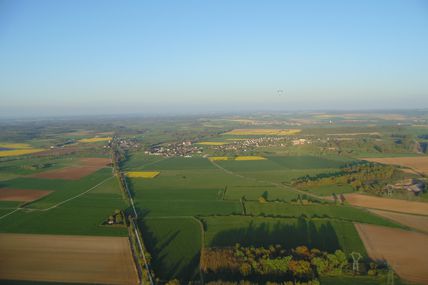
[{"x": 109, "y": 57}]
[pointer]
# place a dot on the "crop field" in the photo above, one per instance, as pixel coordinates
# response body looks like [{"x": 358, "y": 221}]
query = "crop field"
[
  {"x": 263, "y": 132},
  {"x": 138, "y": 162},
  {"x": 218, "y": 158},
  {"x": 328, "y": 190},
  {"x": 77, "y": 207},
  {"x": 325, "y": 211},
  {"x": 201, "y": 187},
  {"x": 66, "y": 259},
  {"x": 389, "y": 244},
  {"x": 257, "y": 189},
  {"x": 17, "y": 149},
  {"x": 417, "y": 163},
  {"x": 142, "y": 174},
  {"x": 289, "y": 232},
  {"x": 94, "y": 140},
  {"x": 281, "y": 169},
  {"x": 414, "y": 221},
  {"x": 84, "y": 167},
  {"x": 190, "y": 192},
  {"x": 175, "y": 244},
  {"x": 237, "y": 158},
  {"x": 395, "y": 205},
  {"x": 247, "y": 158},
  {"x": 22, "y": 195}
]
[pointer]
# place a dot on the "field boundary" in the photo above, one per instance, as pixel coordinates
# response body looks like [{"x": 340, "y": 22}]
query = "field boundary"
[{"x": 24, "y": 207}]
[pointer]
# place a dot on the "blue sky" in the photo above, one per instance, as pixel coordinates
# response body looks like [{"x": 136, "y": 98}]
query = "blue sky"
[{"x": 102, "y": 57}]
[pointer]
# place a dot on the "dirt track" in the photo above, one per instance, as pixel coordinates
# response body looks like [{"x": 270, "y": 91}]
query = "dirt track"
[
  {"x": 86, "y": 167},
  {"x": 380, "y": 203},
  {"x": 417, "y": 163},
  {"x": 417, "y": 222},
  {"x": 21, "y": 195},
  {"x": 83, "y": 259},
  {"x": 405, "y": 251}
]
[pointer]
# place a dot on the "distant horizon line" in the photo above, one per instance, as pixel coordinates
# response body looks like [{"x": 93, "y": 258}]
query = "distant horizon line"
[{"x": 208, "y": 113}]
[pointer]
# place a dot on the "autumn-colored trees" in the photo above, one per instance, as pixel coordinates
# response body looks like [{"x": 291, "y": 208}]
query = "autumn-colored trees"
[{"x": 272, "y": 263}]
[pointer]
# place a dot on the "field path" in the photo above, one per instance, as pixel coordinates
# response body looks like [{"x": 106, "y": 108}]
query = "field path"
[{"x": 405, "y": 251}]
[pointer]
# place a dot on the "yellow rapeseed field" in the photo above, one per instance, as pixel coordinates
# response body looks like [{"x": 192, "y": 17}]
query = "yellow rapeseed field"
[
  {"x": 212, "y": 143},
  {"x": 263, "y": 132},
  {"x": 16, "y": 152},
  {"x": 216, "y": 158},
  {"x": 250, "y": 158},
  {"x": 91, "y": 140},
  {"x": 142, "y": 174}
]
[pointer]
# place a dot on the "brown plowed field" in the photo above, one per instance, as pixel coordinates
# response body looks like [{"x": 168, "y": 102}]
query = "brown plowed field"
[
  {"x": 413, "y": 221},
  {"x": 417, "y": 163},
  {"x": 86, "y": 167},
  {"x": 82, "y": 259},
  {"x": 405, "y": 251},
  {"x": 380, "y": 203},
  {"x": 21, "y": 195}
]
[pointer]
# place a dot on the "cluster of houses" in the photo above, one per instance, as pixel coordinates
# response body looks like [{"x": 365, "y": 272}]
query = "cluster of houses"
[
  {"x": 185, "y": 149},
  {"x": 414, "y": 186},
  {"x": 243, "y": 145}
]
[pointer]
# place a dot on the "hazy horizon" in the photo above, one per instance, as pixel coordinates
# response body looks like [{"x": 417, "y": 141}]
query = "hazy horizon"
[{"x": 175, "y": 57}]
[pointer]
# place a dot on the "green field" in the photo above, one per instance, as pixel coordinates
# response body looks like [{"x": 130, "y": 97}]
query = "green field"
[
  {"x": 289, "y": 232},
  {"x": 327, "y": 190},
  {"x": 63, "y": 211},
  {"x": 196, "y": 187},
  {"x": 175, "y": 244},
  {"x": 325, "y": 211},
  {"x": 62, "y": 189}
]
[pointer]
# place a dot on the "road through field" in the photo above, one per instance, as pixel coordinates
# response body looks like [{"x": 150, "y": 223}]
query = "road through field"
[
  {"x": 405, "y": 251},
  {"x": 57, "y": 258}
]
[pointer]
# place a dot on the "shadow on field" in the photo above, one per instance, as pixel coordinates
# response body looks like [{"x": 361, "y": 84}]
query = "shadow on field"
[
  {"x": 167, "y": 267},
  {"x": 289, "y": 236}
]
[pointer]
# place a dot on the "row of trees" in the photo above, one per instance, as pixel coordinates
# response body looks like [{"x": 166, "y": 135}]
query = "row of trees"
[{"x": 272, "y": 263}]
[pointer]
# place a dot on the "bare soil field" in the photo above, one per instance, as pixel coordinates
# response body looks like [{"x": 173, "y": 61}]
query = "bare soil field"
[
  {"x": 405, "y": 251},
  {"x": 86, "y": 167},
  {"x": 417, "y": 163},
  {"x": 417, "y": 222},
  {"x": 21, "y": 195},
  {"x": 395, "y": 205},
  {"x": 82, "y": 259}
]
